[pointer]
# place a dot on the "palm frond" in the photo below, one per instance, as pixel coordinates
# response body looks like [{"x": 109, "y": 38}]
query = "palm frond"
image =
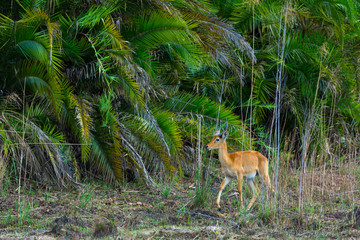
[
  {"x": 83, "y": 111},
  {"x": 141, "y": 135},
  {"x": 100, "y": 152},
  {"x": 190, "y": 104},
  {"x": 110, "y": 36},
  {"x": 96, "y": 14},
  {"x": 6, "y": 27},
  {"x": 125, "y": 84},
  {"x": 155, "y": 29},
  {"x": 35, "y": 144},
  {"x": 106, "y": 141},
  {"x": 40, "y": 81}
]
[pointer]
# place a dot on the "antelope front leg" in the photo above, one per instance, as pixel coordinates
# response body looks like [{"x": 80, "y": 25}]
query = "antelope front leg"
[
  {"x": 240, "y": 189},
  {"x": 222, "y": 186}
]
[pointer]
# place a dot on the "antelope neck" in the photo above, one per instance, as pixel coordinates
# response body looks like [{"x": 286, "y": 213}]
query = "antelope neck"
[{"x": 223, "y": 154}]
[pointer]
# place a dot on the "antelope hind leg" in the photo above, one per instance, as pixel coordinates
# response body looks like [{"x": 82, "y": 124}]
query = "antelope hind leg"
[{"x": 254, "y": 192}]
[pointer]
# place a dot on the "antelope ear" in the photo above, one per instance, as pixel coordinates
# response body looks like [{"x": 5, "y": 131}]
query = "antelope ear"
[{"x": 224, "y": 135}]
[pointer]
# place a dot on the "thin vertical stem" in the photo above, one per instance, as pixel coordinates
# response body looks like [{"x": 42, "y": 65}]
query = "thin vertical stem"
[
  {"x": 220, "y": 100},
  {"x": 199, "y": 144},
  {"x": 323, "y": 187},
  {"x": 278, "y": 106},
  {"x": 252, "y": 70},
  {"x": 22, "y": 152}
]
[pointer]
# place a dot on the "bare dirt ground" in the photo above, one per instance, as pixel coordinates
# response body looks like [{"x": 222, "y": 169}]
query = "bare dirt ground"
[{"x": 169, "y": 212}]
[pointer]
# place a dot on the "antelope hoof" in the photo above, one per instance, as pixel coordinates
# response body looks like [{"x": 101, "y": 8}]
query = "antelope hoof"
[{"x": 219, "y": 209}]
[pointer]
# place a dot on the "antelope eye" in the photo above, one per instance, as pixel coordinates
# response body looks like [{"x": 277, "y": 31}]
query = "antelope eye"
[{"x": 216, "y": 140}]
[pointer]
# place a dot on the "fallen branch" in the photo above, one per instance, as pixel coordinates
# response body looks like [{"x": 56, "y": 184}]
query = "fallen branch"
[
  {"x": 188, "y": 202},
  {"x": 205, "y": 215},
  {"x": 233, "y": 194},
  {"x": 334, "y": 193}
]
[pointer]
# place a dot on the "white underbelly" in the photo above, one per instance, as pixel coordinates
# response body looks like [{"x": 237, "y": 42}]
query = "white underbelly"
[{"x": 250, "y": 176}]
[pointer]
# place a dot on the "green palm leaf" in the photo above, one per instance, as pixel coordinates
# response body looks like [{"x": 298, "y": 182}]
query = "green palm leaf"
[{"x": 33, "y": 49}]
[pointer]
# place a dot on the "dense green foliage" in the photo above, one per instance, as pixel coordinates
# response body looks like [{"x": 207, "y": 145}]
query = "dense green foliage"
[{"x": 107, "y": 86}]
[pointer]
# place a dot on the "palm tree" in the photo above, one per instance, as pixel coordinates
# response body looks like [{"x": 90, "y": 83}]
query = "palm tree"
[{"x": 116, "y": 80}]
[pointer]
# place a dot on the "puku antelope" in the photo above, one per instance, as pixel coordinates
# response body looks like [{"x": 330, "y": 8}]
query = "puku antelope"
[{"x": 243, "y": 164}]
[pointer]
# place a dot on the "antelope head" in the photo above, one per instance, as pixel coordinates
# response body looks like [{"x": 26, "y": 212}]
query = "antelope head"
[{"x": 218, "y": 139}]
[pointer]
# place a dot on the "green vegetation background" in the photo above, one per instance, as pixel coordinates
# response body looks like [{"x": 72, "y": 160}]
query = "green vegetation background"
[{"x": 130, "y": 89}]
